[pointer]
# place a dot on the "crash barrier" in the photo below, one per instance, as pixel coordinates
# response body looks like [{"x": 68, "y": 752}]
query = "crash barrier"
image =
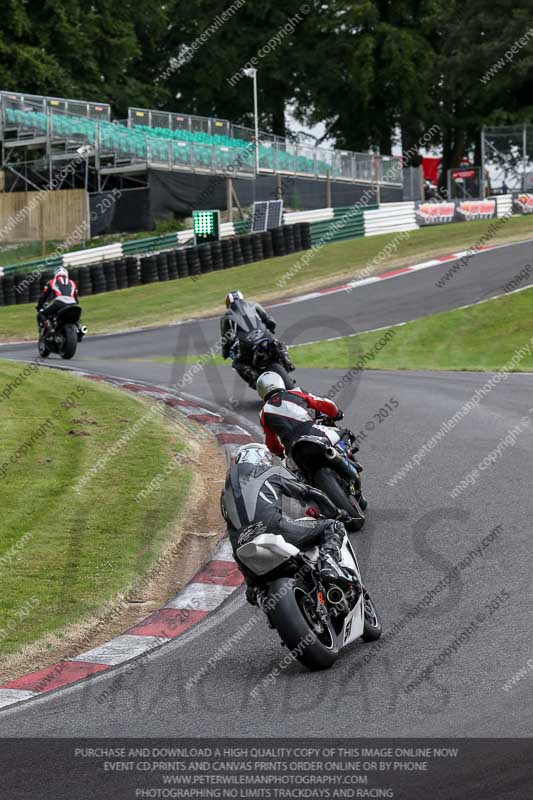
[
  {"x": 172, "y": 264},
  {"x": 504, "y": 205},
  {"x": 315, "y": 215},
  {"x": 389, "y": 218},
  {"x": 109, "y": 252},
  {"x": 161, "y": 258},
  {"x": 345, "y": 223}
]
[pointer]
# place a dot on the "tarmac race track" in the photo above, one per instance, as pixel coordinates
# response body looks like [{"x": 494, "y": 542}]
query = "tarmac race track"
[{"x": 476, "y": 626}]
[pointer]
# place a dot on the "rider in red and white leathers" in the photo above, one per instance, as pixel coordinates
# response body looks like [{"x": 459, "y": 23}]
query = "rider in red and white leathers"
[
  {"x": 49, "y": 301},
  {"x": 289, "y": 414}
]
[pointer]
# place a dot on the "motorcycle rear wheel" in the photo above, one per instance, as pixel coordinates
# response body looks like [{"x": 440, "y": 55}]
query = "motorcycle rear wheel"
[
  {"x": 311, "y": 641},
  {"x": 329, "y": 482},
  {"x": 70, "y": 342}
]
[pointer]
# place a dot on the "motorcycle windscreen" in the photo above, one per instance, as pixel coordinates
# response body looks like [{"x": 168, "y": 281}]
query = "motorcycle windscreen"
[{"x": 266, "y": 552}]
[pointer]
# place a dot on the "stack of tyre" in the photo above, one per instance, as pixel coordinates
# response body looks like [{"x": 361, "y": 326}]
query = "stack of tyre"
[{"x": 168, "y": 265}]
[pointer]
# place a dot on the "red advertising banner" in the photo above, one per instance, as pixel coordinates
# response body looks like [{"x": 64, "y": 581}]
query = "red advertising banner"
[
  {"x": 435, "y": 213},
  {"x": 523, "y": 203},
  {"x": 476, "y": 209}
]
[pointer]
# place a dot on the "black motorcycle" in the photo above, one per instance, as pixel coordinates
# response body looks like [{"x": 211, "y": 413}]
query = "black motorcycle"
[
  {"x": 61, "y": 332},
  {"x": 328, "y": 462},
  {"x": 260, "y": 349}
]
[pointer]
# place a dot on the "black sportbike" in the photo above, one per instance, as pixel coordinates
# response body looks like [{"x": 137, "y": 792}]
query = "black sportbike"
[
  {"x": 60, "y": 332},
  {"x": 261, "y": 350},
  {"x": 328, "y": 462}
]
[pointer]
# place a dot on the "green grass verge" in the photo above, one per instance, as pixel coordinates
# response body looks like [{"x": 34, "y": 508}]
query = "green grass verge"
[
  {"x": 483, "y": 337},
  {"x": 63, "y": 553},
  {"x": 156, "y": 303}
]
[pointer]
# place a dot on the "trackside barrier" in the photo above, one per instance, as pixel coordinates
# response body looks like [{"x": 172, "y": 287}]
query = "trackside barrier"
[
  {"x": 121, "y": 266},
  {"x": 126, "y": 264},
  {"x": 504, "y": 204},
  {"x": 389, "y": 218},
  {"x": 95, "y": 255},
  {"x": 316, "y": 215},
  {"x": 82, "y": 257},
  {"x": 343, "y": 223}
]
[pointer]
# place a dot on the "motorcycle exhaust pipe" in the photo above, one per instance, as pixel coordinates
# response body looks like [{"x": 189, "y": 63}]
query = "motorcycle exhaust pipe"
[
  {"x": 83, "y": 329},
  {"x": 335, "y": 596},
  {"x": 346, "y": 469}
]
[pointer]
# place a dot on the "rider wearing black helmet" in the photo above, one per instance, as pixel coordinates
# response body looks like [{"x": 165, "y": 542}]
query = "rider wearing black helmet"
[
  {"x": 259, "y": 497},
  {"x": 241, "y": 317}
]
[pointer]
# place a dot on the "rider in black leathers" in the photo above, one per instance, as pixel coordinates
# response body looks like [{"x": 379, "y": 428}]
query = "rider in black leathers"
[
  {"x": 259, "y": 497},
  {"x": 241, "y": 317}
]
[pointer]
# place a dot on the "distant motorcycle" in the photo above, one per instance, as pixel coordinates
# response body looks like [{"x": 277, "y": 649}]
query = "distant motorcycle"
[
  {"x": 260, "y": 349},
  {"x": 328, "y": 462},
  {"x": 61, "y": 332},
  {"x": 314, "y": 621}
]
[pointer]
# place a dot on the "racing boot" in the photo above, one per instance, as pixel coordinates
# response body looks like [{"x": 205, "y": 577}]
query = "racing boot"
[
  {"x": 284, "y": 356},
  {"x": 332, "y": 572},
  {"x": 247, "y": 373}
]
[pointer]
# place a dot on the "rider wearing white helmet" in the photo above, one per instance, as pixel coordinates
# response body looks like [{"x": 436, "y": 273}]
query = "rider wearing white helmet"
[
  {"x": 261, "y": 497},
  {"x": 59, "y": 286},
  {"x": 289, "y": 413}
]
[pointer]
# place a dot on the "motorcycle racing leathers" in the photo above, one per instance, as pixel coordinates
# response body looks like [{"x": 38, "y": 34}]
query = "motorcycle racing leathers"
[
  {"x": 242, "y": 317},
  {"x": 259, "y": 499},
  {"x": 48, "y": 303},
  {"x": 289, "y": 414}
]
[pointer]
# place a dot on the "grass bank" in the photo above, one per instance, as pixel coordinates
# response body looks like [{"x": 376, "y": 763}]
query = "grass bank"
[
  {"x": 70, "y": 540},
  {"x": 157, "y": 304},
  {"x": 483, "y": 337}
]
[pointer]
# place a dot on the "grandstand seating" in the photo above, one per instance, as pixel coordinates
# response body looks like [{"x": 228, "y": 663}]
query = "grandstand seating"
[
  {"x": 176, "y": 141},
  {"x": 177, "y": 147}
]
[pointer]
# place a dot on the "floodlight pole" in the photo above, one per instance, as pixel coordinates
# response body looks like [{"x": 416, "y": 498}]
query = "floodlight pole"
[{"x": 252, "y": 73}]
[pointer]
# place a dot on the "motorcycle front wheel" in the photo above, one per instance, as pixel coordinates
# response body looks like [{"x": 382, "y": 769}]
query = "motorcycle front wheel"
[
  {"x": 70, "y": 341},
  {"x": 310, "y": 639},
  {"x": 327, "y": 480}
]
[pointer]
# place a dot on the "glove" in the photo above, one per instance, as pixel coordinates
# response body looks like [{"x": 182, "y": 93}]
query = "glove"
[
  {"x": 343, "y": 516},
  {"x": 271, "y": 326},
  {"x": 339, "y": 416},
  {"x": 335, "y": 526},
  {"x": 251, "y": 595}
]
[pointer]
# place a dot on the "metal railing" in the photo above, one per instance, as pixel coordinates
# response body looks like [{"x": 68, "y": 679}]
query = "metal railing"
[
  {"x": 275, "y": 155},
  {"x": 213, "y": 126},
  {"x": 44, "y": 104}
]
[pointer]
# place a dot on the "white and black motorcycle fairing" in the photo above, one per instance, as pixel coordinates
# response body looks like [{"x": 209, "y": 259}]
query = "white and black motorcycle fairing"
[{"x": 315, "y": 622}]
